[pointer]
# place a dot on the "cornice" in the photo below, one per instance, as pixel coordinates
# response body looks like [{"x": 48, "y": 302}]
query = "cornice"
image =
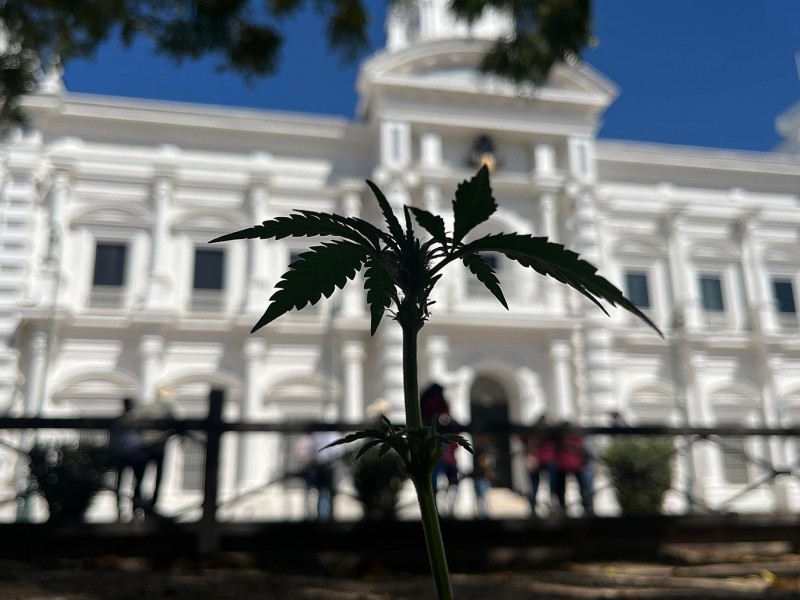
[
  {"x": 663, "y": 155},
  {"x": 195, "y": 116}
]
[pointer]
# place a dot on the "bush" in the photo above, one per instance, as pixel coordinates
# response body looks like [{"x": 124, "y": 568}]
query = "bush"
[
  {"x": 377, "y": 481},
  {"x": 640, "y": 470},
  {"x": 68, "y": 476}
]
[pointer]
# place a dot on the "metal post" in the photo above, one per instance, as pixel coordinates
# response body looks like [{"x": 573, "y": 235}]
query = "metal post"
[{"x": 208, "y": 535}]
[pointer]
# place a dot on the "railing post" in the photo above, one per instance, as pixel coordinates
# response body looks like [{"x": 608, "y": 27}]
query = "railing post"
[{"x": 208, "y": 535}]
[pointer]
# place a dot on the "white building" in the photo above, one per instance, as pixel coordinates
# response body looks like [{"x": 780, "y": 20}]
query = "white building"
[{"x": 108, "y": 289}]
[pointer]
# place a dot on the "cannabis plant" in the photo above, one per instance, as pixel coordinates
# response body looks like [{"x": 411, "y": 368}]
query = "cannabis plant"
[{"x": 401, "y": 269}]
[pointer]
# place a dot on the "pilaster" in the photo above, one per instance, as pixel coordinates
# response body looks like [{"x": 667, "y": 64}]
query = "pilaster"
[
  {"x": 598, "y": 340},
  {"x": 150, "y": 352},
  {"x": 35, "y": 380},
  {"x": 353, "y": 293},
  {"x": 160, "y": 281},
  {"x": 353, "y": 355},
  {"x": 257, "y": 281},
  {"x": 562, "y": 405},
  {"x": 253, "y": 353}
]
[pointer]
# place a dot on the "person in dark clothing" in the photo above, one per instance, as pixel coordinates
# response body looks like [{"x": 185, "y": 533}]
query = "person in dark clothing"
[
  {"x": 433, "y": 402},
  {"x": 540, "y": 461}
]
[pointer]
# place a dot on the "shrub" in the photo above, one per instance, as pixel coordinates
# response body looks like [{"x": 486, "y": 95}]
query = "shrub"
[
  {"x": 378, "y": 481},
  {"x": 640, "y": 470},
  {"x": 68, "y": 476}
]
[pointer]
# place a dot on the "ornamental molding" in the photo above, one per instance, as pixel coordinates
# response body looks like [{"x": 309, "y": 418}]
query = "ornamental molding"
[{"x": 126, "y": 215}]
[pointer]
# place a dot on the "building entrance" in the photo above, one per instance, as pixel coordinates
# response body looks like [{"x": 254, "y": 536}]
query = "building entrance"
[{"x": 489, "y": 410}]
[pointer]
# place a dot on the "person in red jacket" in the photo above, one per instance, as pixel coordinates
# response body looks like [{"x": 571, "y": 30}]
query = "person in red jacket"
[
  {"x": 570, "y": 459},
  {"x": 541, "y": 460}
]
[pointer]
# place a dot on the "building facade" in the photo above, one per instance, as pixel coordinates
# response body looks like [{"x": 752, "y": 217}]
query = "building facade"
[{"x": 108, "y": 288}]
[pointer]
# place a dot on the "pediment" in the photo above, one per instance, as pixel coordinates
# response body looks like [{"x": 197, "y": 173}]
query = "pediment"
[
  {"x": 210, "y": 220},
  {"x": 782, "y": 254},
  {"x": 453, "y": 65},
  {"x": 130, "y": 215}
]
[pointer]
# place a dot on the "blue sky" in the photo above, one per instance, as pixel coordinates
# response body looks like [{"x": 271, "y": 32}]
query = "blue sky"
[{"x": 706, "y": 73}]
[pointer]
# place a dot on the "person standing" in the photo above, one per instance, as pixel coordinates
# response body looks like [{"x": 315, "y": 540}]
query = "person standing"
[
  {"x": 433, "y": 403},
  {"x": 540, "y": 460},
  {"x": 571, "y": 459}
]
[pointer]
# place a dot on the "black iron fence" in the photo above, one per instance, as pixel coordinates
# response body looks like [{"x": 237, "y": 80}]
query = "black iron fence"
[{"x": 767, "y": 459}]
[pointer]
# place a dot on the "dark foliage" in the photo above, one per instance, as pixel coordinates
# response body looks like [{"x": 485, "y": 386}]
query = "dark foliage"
[{"x": 68, "y": 476}]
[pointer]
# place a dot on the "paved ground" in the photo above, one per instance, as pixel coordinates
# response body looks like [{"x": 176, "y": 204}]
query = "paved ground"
[{"x": 111, "y": 578}]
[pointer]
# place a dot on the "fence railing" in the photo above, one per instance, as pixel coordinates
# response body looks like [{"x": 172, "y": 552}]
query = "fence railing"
[{"x": 767, "y": 454}]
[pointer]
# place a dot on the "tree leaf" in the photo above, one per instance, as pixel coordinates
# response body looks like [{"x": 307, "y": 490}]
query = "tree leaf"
[
  {"x": 380, "y": 289},
  {"x": 485, "y": 274},
  {"x": 317, "y": 272},
  {"x": 300, "y": 224},
  {"x": 473, "y": 204},
  {"x": 549, "y": 258},
  {"x": 433, "y": 224},
  {"x": 391, "y": 219}
]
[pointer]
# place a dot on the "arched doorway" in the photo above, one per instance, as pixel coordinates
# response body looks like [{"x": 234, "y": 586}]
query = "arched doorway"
[{"x": 489, "y": 410}]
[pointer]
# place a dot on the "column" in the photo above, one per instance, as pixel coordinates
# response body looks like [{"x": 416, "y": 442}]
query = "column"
[
  {"x": 562, "y": 406},
  {"x": 249, "y": 450},
  {"x": 684, "y": 304},
  {"x": 777, "y": 446},
  {"x": 598, "y": 344},
  {"x": 553, "y": 293},
  {"x": 430, "y": 150},
  {"x": 257, "y": 282},
  {"x": 353, "y": 355},
  {"x": 160, "y": 279},
  {"x": 35, "y": 380},
  {"x": 51, "y": 271},
  {"x": 353, "y": 294},
  {"x": 437, "y": 349},
  {"x": 150, "y": 348},
  {"x": 760, "y": 305},
  {"x": 544, "y": 159}
]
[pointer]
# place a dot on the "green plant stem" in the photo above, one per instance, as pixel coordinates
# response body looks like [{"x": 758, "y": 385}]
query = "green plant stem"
[{"x": 423, "y": 484}]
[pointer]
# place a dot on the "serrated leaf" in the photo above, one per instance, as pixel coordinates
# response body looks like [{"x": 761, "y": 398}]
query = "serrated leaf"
[
  {"x": 354, "y": 437},
  {"x": 317, "y": 272},
  {"x": 433, "y": 224},
  {"x": 301, "y": 224},
  {"x": 380, "y": 288},
  {"x": 453, "y": 438},
  {"x": 473, "y": 204},
  {"x": 549, "y": 258},
  {"x": 388, "y": 214},
  {"x": 367, "y": 447},
  {"x": 388, "y": 423},
  {"x": 485, "y": 274},
  {"x": 384, "y": 449}
]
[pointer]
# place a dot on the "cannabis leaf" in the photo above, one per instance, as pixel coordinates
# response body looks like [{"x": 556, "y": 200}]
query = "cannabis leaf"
[
  {"x": 473, "y": 204},
  {"x": 316, "y": 273}
]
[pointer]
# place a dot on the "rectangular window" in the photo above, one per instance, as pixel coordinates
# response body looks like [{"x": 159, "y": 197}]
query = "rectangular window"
[
  {"x": 711, "y": 293},
  {"x": 784, "y": 296},
  {"x": 109, "y": 264},
  {"x": 637, "y": 288},
  {"x": 209, "y": 269}
]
